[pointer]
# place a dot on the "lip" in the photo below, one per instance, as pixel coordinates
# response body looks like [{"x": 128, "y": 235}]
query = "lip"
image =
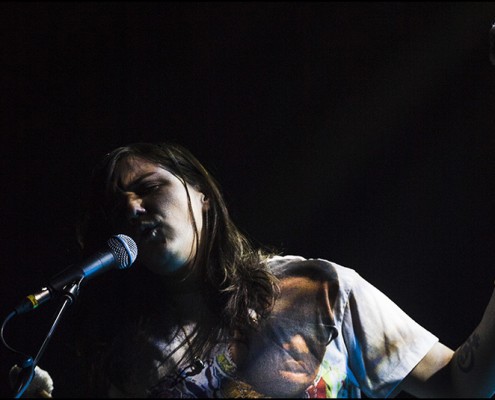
[
  {"x": 294, "y": 375},
  {"x": 149, "y": 229},
  {"x": 295, "y": 367},
  {"x": 295, "y": 371}
]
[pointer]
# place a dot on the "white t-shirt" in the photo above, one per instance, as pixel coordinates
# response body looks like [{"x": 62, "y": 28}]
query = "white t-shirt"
[
  {"x": 377, "y": 344},
  {"x": 330, "y": 334}
]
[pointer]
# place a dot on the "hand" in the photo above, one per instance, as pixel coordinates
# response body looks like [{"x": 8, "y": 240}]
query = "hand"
[{"x": 41, "y": 386}]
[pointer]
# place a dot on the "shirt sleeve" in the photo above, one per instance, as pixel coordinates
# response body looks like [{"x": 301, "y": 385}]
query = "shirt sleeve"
[{"x": 384, "y": 344}]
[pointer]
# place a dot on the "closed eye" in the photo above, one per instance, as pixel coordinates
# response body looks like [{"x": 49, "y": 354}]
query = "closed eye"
[
  {"x": 150, "y": 187},
  {"x": 147, "y": 189}
]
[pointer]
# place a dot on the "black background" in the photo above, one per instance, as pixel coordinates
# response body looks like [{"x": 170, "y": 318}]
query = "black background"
[{"x": 363, "y": 133}]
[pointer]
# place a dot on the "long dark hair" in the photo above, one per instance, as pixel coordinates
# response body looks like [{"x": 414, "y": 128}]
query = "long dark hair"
[{"x": 234, "y": 271}]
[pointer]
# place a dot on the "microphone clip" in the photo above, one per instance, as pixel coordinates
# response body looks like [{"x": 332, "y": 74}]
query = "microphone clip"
[{"x": 70, "y": 292}]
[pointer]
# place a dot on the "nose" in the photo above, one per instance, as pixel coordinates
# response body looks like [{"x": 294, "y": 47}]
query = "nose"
[
  {"x": 296, "y": 344},
  {"x": 134, "y": 206}
]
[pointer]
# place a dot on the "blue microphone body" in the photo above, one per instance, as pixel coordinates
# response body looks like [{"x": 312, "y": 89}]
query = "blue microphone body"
[{"x": 120, "y": 252}]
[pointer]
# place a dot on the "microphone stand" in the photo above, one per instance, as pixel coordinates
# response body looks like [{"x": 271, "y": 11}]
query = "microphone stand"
[{"x": 27, "y": 372}]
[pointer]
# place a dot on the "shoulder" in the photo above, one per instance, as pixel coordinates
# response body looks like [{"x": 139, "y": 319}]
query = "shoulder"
[
  {"x": 340, "y": 283},
  {"x": 316, "y": 268}
]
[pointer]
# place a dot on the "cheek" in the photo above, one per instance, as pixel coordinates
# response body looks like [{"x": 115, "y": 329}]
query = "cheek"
[{"x": 197, "y": 208}]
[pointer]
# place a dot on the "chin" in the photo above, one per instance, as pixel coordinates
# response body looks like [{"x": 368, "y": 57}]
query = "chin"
[
  {"x": 281, "y": 383},
  {"x": 164, "y": 263},
  {"x": 281, "y": 387}
]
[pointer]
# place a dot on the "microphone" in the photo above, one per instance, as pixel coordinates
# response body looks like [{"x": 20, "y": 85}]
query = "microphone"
[{"x": 120, "y": 252}]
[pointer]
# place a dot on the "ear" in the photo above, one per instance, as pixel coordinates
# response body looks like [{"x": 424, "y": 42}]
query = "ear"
[{"x": 205, "y": 201}]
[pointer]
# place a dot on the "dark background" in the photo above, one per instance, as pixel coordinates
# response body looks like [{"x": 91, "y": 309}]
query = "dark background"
[{"x": 363, "y": 133}]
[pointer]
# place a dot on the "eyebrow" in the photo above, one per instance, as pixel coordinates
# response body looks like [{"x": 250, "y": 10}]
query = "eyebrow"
[{"x": 139, "y": 180}]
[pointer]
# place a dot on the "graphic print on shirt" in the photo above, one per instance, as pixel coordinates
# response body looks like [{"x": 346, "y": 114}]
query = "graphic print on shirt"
[{"x": 285, "y": 356}]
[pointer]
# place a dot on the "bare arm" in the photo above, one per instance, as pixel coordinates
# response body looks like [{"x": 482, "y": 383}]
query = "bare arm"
[{"x": 467, "y": 372}]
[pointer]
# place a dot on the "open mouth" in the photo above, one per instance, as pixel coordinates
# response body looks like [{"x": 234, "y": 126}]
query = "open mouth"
[{"x": 149, "y": 229}]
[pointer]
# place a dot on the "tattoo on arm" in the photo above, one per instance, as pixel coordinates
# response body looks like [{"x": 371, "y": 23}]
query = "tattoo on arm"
[{"x": 465, "y": 356}]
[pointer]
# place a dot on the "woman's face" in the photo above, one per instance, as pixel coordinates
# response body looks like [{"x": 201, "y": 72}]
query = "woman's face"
[{"x": 154, "y": 210}]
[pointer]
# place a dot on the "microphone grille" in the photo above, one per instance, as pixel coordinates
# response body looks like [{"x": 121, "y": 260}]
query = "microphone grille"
[{"x": 124, "y": 249}]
